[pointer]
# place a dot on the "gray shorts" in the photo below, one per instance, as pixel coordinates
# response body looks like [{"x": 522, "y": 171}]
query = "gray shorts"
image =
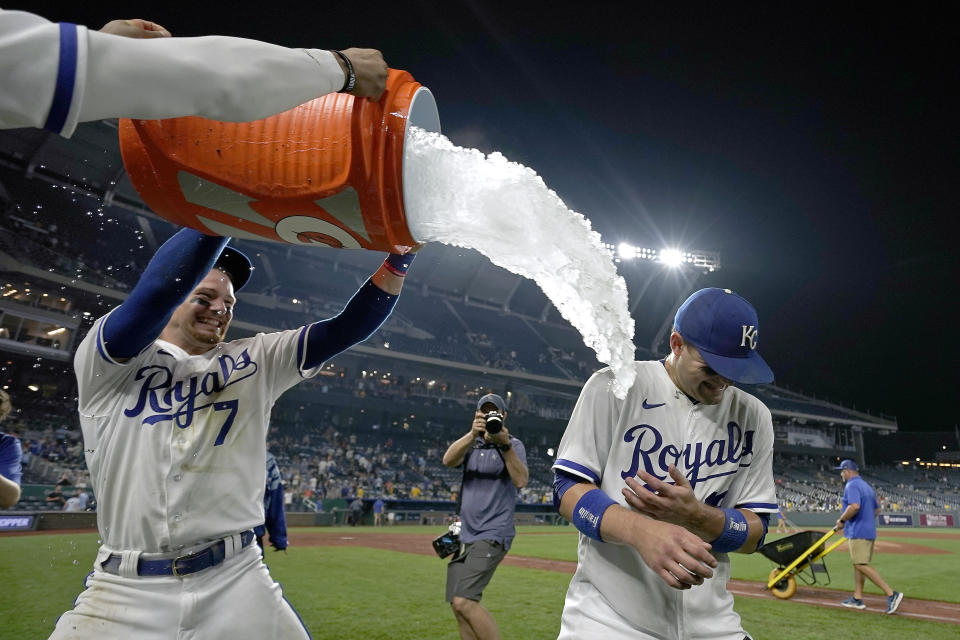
[{"x": 470, "y": 572}]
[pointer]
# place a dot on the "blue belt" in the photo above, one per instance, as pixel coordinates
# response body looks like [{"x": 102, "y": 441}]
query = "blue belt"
[{"x": 181, "y": 566}]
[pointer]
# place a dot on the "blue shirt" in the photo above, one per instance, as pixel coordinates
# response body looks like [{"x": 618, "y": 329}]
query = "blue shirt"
[
  {"x": 10, "y": 456},
  {"x": 489, "y": 497},
  {"x": 863, "y": 525}
]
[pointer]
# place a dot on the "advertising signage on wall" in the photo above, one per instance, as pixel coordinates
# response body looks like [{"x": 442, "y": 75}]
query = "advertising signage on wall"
[
  {"x": 17, "y": 522},
  {"x": 937, "y": 520},
  {"x": 896, "y": 520}
]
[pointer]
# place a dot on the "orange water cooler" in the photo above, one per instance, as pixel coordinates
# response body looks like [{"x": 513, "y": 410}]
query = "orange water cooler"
[{"x": 328, "y": 173}]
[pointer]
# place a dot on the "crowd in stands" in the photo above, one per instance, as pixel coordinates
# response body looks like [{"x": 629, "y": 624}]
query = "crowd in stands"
[
  {"x": 808, "y": 484},
  {"x": 344, "y": 462},
  {"x": 328, "y": 464}
]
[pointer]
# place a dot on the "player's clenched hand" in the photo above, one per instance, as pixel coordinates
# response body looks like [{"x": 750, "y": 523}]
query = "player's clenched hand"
[
  {"x": 371, "y": 71},
  {"x": 674, "y": 503},
  {"x": 135, "y": 28},
  {"x": 680, "y": 558}
]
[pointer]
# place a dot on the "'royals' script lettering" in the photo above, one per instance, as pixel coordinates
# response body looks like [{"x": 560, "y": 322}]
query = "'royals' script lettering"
[
  {"x": 696, "y": 458},
  {"x": 164, "y": 399}
]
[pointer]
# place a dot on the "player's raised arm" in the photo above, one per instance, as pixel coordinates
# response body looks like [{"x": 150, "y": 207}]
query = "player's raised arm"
[
  {"x": 364, "y": 313},
  {"x": 677, "y": 556},
  {"x": 173, "y": 272},
  {"x": 57, "y": 75}
]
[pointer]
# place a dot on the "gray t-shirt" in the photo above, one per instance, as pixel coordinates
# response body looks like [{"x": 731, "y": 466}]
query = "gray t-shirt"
[{"x": 489, "y": 497}]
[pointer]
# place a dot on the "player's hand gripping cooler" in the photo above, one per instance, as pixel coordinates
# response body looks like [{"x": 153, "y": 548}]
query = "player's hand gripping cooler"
[{"x": 327, "y": 173}]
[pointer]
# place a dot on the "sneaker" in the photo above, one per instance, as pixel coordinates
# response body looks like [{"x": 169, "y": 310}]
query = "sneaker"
[
  {"x": 857, "y": 603},
  {"x": 894, "y": 601}
]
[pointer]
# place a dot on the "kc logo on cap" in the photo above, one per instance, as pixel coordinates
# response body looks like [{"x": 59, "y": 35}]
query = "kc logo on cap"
[
  {"x": 749, "y": 333},
  {"x": 724, "y": 328}
]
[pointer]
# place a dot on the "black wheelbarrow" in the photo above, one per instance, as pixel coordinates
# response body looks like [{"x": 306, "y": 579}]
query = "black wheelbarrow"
[{"x": 800, "y": 555}]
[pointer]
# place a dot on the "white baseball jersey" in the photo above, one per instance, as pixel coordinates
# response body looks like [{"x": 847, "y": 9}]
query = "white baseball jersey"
[
  {"x": 57, "y": 75},
  {"x": 176, "y": 443},
  {"x": 725, "y": 450}
]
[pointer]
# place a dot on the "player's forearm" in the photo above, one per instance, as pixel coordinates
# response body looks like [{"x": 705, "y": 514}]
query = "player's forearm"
[
  {"x": 361, "y": 317},
  {"x": 9, "y": 493},
  {"x": 619, "y": 524},
  {"x": 710, "y": 525},
  {"x": 217, "y": 77},
  {"x": 387, "y": 281},
  {"x": 453, "y": 456}
]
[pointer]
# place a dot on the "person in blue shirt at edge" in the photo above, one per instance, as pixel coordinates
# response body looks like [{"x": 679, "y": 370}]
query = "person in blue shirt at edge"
[
  {"x": 860, "y": 527},
  {"x": 276, "y": 520},
  {"x": 11, "y": 454},
  {"x": 495, "y": 469}
]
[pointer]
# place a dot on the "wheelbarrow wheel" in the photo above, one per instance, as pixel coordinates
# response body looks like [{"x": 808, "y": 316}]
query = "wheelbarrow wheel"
[{"x": 785, "y": 588}]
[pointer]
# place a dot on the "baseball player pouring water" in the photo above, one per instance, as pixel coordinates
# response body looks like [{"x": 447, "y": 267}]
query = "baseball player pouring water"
[
  {"x": 666, "y": 482},
  {"x": 174, "y": 426}
]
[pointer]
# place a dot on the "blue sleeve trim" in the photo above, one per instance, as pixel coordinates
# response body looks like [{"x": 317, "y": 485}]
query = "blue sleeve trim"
[
  {"x": 759, "y": 505},
  {"x": 301, "y": 348},
  {"x": 66, "y": 79},
  {"x": 576, "y": 469},
  {"x": 765, "y": 520},
  {"x": 562, "y": 481}
]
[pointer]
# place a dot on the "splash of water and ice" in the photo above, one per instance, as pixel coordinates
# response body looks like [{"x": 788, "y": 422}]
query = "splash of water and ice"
[{"x": 505, "y": 211}]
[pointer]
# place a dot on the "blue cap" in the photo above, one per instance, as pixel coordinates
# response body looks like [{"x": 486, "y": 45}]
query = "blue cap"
[
  {"x": 847, "y": 464},
  {"x": 724, "y": 328},
  {"x": 236, "y": 265},
  {"x": 492, "y": 398}
]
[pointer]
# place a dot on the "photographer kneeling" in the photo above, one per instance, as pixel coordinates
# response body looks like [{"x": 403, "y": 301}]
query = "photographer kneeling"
[{"x": 495, "y": 467}]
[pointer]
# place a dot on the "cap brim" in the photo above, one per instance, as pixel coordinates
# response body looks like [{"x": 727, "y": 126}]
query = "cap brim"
[
  {"x": 749, "y": 370},
  {"x": 237, "y": 265}
]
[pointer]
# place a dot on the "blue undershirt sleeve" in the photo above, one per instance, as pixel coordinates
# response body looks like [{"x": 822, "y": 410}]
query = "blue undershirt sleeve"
[
  {"x": 367, "y": 310},
  {"x": 174, "y": 271}
]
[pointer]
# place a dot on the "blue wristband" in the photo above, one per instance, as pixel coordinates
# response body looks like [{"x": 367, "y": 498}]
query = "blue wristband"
[
  {"x": 735, "y": 532},
  {"x": 398, "y": 264},
  {"x": 588, "y": 512}
]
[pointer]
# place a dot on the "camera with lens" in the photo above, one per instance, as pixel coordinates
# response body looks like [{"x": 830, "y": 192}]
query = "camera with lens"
[
  {"x": 494, "y": 422},
  {"x": 449, "y": 542}
]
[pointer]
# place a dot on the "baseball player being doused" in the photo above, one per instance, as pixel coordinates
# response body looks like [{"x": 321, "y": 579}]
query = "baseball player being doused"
[
  {"x": 666, "y": 482},
  {"x": 174, "y": 426}
]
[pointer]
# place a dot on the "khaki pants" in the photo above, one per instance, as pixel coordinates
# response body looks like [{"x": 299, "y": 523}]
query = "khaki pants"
[{"x": 861, "y": 550}]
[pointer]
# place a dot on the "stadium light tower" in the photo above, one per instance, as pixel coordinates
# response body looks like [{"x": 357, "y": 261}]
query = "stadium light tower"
[
  {"x": 671, "y": 257},
  {"x": 702, "y": 262}
]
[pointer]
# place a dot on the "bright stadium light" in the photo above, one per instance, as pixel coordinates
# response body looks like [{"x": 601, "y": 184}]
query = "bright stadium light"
[{"x": 671, "y": 257}]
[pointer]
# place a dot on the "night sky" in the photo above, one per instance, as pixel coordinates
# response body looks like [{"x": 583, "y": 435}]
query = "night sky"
[{"x": 816, "y": 150}]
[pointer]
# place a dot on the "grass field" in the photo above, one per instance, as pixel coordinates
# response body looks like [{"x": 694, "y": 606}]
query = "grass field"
[{"x": 350, "y": 593}]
